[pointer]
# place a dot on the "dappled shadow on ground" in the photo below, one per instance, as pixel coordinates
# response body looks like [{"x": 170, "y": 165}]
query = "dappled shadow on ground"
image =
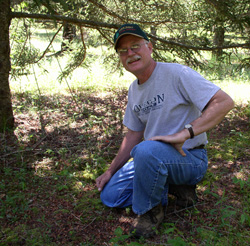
[{"x": 61, "y": 144}]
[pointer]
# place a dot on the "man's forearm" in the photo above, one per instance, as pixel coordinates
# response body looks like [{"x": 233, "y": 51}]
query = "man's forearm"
[
  {"x": 130, "y": 140},
  {"x": 214, "y": 113}
]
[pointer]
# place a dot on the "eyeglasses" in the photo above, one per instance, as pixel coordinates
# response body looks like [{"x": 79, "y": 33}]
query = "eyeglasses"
[{"x": 134, "y": 48}]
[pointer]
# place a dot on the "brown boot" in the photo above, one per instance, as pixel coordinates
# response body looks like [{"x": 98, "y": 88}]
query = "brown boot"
[
  {"x": 185, "y": 194},
  {"x": 146, "y": 225}
]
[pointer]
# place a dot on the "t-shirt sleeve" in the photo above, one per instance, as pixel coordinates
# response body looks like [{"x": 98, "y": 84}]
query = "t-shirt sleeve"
[
  {"x": 195, "y": 88},
  {"x": 131, "y": 120}
]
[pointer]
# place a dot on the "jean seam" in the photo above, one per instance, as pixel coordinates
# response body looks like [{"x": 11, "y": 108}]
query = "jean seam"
[
  {"x": 125, "y": 187},
  {"x": 150, "y": 205}
]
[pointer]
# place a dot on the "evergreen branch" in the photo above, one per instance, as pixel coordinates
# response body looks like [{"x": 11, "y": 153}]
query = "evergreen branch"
[
  {"x": 111, "y": 13},
  {"x": 196, "y": 48},
  {"x": 87, "y": 23},
  {"x": 98, "y": 25}
]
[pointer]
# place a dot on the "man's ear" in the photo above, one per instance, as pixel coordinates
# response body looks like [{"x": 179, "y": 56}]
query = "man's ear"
[{"x": 150, "y": 46}]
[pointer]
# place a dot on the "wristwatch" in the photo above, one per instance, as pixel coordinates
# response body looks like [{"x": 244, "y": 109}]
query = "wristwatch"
[{"x": 190, "y": 129}]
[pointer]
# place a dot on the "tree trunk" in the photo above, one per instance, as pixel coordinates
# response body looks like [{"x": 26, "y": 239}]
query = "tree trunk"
[
  {"x": 219, "y": 36},
  {"x": 69, "y": 33},
  {"x": 6, "y": 113},
  {"x": 153, "y": 32}
]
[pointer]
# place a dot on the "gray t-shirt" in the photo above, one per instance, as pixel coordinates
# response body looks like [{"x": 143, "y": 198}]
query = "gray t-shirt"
[{"x": 172, "y": 97}]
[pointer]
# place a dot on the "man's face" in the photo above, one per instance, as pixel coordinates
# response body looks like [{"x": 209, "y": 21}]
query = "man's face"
[{"x": 135, "y": 61}]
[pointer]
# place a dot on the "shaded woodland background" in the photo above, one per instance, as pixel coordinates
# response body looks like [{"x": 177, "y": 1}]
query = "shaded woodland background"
[{"x": 62, "y": 100}]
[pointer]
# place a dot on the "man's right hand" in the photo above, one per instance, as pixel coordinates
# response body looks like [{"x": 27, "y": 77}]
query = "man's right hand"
[
  {"x": 103, "y": 179},
  {"x": 129, "y": 141}
]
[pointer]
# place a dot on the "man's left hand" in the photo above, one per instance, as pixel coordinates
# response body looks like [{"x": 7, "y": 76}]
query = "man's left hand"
[{"x": 176, "y": 140}]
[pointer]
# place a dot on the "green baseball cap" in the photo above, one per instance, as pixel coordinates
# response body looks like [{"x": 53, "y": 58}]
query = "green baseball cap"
[{"x": 132, "y": 29}]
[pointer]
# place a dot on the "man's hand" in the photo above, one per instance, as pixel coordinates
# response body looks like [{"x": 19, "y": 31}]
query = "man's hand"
[
  {"x": 176, "y": 140},
  {"x": 103, "y": 179},
  {"x": 129, "y": 141}
]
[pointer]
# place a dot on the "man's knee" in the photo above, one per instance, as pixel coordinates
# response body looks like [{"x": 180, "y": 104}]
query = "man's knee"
[
  {"x": 143, "y": 149},
  {"x": 107, "y": 198},
  {"x": 118, "y": 191},
  {"x": 119, "y": 199}
]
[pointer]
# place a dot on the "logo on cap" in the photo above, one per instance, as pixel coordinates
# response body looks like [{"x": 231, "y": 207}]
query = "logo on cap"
[{"x": 132, "y": 29}]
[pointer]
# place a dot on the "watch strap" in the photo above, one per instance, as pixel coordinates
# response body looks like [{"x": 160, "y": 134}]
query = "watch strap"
[{"x": 190, "y": 129}]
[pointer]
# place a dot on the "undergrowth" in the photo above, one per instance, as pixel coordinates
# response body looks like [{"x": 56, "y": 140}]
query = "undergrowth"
[{"x": 61, "y": 144}]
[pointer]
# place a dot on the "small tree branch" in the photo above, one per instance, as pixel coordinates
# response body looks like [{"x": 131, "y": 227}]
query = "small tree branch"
[
  {"x": 49, "y": 44},
  {"x": 98, "y": 25},
  {"x": 109, "y": 12},
  {"x": 196, "y": 48},
  {"x": 84, "y": 46},
  {"x": 87, "y": 23}
]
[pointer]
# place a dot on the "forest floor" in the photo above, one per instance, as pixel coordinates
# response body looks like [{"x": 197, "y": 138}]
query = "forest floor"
[{"x": 61, "y": 144}]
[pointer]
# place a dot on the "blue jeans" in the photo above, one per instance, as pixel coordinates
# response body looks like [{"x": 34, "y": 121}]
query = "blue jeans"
[{"x": 143, "y": 182}]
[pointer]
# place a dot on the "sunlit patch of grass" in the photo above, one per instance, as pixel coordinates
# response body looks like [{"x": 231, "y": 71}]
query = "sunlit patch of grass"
[
  {"x": 238, "y": 90},
  {"x": 96, "y": 77}
]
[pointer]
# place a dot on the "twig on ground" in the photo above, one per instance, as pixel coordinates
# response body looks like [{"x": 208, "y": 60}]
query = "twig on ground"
[{"x": 89, "y": 223}]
